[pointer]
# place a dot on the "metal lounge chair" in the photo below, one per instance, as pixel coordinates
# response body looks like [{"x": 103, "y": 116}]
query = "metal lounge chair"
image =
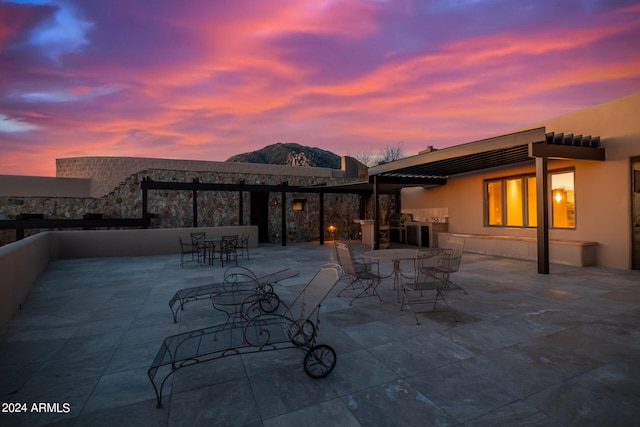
[
  {"x": 235, "y": 278},
  {"x": 297, "y": 327}
]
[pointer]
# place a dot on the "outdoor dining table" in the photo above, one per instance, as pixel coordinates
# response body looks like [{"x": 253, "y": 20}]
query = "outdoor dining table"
[
  {"x": 210, "y": 244},
  {"x": 395, "y": 256}
]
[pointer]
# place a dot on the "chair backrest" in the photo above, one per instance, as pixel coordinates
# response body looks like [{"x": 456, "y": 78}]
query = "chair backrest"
[
  {"x": 428, "y": 268},
  {"x": 343, "y": 253},
  {"x": 230, "y": 242},
  {"x": 278, "y": 276},
  {"x": 314, "y": 293},
  {"x": 238, "y": 274},
  {"x": 457, "y": 247},
  {"x": 197, "y": 236}
]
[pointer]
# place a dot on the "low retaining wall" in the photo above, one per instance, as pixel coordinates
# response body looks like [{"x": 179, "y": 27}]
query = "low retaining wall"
[
  {"x": 22, "y": 262},
  {"x": 567, "y": 252}
]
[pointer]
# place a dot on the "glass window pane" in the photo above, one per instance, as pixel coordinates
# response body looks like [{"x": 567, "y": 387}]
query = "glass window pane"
[
  {"x": 494, "y": 202},
  {"x": 563, "y": 200},
  {"x": 514, "y": 202},
  {"x": 532, "y": 206}
]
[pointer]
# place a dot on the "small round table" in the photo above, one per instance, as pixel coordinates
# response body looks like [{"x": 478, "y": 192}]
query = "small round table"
[{"x": 395, "y": 256}]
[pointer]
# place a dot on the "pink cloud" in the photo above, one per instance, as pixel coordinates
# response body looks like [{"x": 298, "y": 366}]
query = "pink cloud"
[{"x": 217, "y": 78}]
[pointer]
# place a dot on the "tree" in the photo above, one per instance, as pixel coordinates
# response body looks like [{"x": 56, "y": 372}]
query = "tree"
[
  {"x": 391, "y": 153},
  {"x": 365, "y": 157}
]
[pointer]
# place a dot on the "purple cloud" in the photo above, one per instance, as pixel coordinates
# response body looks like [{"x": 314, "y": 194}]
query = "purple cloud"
[{"x": 207, "y": 81}]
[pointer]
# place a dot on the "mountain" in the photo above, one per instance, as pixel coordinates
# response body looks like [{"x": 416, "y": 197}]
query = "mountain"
[{"x": 290, "y": 154}]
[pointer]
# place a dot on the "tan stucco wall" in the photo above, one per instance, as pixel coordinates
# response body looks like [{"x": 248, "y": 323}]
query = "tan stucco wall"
[
  {"x": 603, "y": 189},
  {"x": 22, "y": 262},
  {"x": 42, "y": 186}
]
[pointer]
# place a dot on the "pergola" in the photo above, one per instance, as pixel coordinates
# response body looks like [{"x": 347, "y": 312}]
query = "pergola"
[
  {"x": 364, "y": 190},
  {"x": 534, "y": 145}
]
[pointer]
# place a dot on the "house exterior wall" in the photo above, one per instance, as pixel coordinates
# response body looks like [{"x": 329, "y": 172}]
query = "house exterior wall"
[
  {"x": 38, "y": 186},
  {"x": 603, "y": 189},
  {"x": 174, "y": 209}
]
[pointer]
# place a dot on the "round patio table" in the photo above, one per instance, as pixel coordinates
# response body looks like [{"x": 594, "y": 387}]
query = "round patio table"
[{"x": 395, "y": 256}]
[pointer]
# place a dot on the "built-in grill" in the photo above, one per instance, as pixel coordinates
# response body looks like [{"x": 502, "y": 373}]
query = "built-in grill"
[{"x": 396, "y": 226}]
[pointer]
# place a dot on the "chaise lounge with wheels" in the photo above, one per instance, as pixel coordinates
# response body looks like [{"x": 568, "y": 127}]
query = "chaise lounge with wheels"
[{"x": 295, "y": 327}]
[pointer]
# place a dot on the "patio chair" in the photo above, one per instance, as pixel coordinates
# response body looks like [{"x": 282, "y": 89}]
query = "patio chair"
[
  {"x": 457, "y": 246},
  {"x": 235, "y": 277},
  {"x": 198, "y": 244},
  {"x": 361, "y": 273},
  {"x": 427, "y": 281},
  {"x": 243, "y": 244},
  {"x": 229, "y": 249},
  {"x": 297, "y": 327},
  {"x": 186, "y": 250}
]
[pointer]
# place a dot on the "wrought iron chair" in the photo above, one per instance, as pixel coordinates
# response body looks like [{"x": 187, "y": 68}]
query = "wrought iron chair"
[
  {"x": 360, "y": 273},
  {"x": 235, "y": 277},
  {"x": 229, "y": 249},
  {"x": 296, "y": 327},
  {"x": 197, "y": 241},
  {"x": 431, "y": 267},
  {"x": 457, "y": 246},
  {"x": 243, "y": 244},
  {"x": 186, "y": 250}
]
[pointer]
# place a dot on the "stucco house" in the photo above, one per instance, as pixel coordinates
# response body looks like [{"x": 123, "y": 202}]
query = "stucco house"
[{"x": 565, "y": 190}]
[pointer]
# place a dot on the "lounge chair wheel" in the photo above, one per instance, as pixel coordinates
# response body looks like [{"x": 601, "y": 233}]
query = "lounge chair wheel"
[
  {"x": 269, "y": 302},
  {"x": 319, "y": 361}
]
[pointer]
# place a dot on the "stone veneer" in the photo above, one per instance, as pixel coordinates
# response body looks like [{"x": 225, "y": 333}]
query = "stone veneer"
[
  {"x": 106, "y": 173},
  {"x": 173, "y": 209}
]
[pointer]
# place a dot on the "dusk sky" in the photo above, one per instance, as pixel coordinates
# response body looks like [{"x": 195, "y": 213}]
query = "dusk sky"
[{"x": 207, "y": 79}]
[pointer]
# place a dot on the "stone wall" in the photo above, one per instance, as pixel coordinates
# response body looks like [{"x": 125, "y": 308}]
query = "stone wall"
[
  {"x": 173, "y": 209},
  {"x": 106, "y": 173}
]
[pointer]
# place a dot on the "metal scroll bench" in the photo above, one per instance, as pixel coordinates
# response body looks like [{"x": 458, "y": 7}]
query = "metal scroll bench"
[
  {"x": 235, "y": 278},
  {"x": 294, "y": 328}
]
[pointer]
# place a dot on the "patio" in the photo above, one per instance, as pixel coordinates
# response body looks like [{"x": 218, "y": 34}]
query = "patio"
[{"x": 529, "y": 349}]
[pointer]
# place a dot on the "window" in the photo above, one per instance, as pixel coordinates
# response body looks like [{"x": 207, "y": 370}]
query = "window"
[
  {"x": 515, "y": 203},
  {"x": 563, "y": 200},
  {"x": 511, "y": 202},
  {"x": 494, "y": 202}
]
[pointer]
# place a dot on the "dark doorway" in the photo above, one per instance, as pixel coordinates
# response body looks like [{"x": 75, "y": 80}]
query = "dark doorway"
[{"x": 260, "y": 215}]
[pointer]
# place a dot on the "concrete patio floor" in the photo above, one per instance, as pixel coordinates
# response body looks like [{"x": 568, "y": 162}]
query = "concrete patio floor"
[{"x": 528, "y": 350}]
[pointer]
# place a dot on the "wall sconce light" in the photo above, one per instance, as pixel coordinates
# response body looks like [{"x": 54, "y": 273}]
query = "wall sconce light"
[
  {"x": 332, "y": 232},
  {"x": 298, "y": 205}
]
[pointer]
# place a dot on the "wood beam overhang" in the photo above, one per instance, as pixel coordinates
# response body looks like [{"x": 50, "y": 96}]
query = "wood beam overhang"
[
  {"x": 556, "y": 151},
  {"x": 411, "y": 180},
  {"x": 148, "y": 184}
]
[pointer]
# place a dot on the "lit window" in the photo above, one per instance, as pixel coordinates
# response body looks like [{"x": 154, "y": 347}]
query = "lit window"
[
  {"x": 532, "y": 205},
  {"x": 563, "y": 200},
  {"x": 511, "y": 202},
  {"x": 514, "y": 202},
  {"x": 494, "y": 202}
]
